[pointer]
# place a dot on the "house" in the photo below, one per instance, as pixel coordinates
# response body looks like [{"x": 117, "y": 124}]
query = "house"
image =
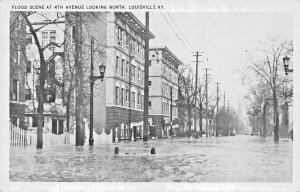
[{"x": 49, "y": 33}]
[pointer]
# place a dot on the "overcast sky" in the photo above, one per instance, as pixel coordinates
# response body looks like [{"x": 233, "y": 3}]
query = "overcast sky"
[{"x": 226, "y": 38}]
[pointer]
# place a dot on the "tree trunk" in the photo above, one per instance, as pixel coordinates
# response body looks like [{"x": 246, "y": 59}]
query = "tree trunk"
[
  {"x": 42, "y": 79},
  {"x": 264, "y": 121},
  {"x": 68, "y": 108},
  {"x": 189, "y": 119},
  {"x": 276, "y": 127},
  {"x": 201, "y": 119}
]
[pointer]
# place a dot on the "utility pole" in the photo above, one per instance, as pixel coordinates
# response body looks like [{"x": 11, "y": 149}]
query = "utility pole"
[
  {"x": 78, "y": 83},
  {"x": 91, "y": 139},
  {"x": 146, "y": 81},
  {"x": 206, "y": 101},
  {"x": 196, "y": 86},
  {"x": 217, "y": 118}
]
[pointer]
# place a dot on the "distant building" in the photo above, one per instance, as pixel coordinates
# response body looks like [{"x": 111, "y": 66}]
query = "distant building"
[
  {"x": 163, "y": 91},
  {"x": 17, "y": 70}
]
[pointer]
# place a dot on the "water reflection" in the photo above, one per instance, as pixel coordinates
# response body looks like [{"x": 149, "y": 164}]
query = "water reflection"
[{"x": 223, "y": 159}]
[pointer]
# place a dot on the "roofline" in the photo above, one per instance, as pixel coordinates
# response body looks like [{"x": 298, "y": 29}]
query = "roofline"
[
  {"x": 168, "y": 50},
  {"x": 152, "y": 36}
]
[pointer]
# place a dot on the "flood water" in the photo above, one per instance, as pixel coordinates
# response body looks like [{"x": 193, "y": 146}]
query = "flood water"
[{"x": 224, "y": 159}]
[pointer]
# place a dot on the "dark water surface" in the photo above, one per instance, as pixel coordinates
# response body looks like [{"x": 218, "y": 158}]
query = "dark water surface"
[{"x": 224, "y": 159}]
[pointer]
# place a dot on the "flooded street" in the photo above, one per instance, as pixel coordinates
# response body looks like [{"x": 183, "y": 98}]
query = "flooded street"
[{"x": 224, "y": 159}]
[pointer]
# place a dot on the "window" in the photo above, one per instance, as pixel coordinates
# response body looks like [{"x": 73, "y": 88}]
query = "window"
[
  {"x": 28, "y": 94},
  {"x": 15, "y": 87},
  {"x": 139, "y": 73},
  {"x": 133, "y": 73},
  {"x": 139, "y": 97},
  {"x": 19, "y": 55},
  {"x": 48, "y": 37},
  {"x": 28, "y": 38},
  {"x": 122, "y": 97},
  {"x": 117, "y": 95},
  {"x": 150, "y": 62},
  {"x": 150, "y": 104},
  {"x": 122, "y": 68},
  {"x": 150, "y": 83},
  {"x": 127, "y": 96},
  {"x": 117, "y": 65},
  {"x": 54, "y": 126},
  {"x": 28, "y": 67},
  {"x": 57, "y": 126},
  {"x": 73, "y": 34},
  {"x": 142, "y": 76},
  {"x": 119, "y": 36},
  {"x": 142, "y": 101},
  {"x": 19, "y": 21},
  {"x": 61, "y": 126},
  {"x": 127, "y": 67},
  {"x": 51, "y": 96},
  {"x": 133, "y": 100}
]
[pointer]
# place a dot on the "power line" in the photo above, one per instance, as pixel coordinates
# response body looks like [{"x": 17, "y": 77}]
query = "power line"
[
  {"x": 173, "y": 30},
  {"x": 180, "y": 31}
]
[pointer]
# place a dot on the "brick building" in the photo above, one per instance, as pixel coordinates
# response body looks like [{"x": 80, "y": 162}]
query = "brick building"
[
  {"x": 17, "y": 70},
  {"x": 123, "y": 86},
  {"x": 119, "y": 40},
  {"x": 163, "y": 91}
]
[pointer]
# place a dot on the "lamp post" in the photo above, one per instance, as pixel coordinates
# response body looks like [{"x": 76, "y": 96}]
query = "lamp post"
[
  {"x": 92, "y": 81},
  {"x": 286, "y": 62}
]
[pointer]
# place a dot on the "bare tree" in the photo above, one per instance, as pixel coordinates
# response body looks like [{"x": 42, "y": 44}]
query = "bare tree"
[
  {"x": 44, "y": 62},
  {"x": 186, "y": 92},
  {"x": 259, "y": 97},
  {"x": 270, "y": 69}
]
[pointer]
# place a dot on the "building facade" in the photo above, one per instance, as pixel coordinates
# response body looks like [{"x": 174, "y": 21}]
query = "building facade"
[
  {"x": 118, "y": 43},
  {"x": 17, "y": 70},
  {"x": 163, "y": 91},
  {"x": 123, "y": 86}
]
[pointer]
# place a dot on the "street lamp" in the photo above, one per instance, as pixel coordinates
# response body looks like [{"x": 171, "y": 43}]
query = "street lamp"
[
  {"x": 92, "y": 81},
  {"x": 286, "y": 62}
]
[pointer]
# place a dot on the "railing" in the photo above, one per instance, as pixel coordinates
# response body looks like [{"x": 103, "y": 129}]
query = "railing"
[
  {"x": 22, "y": 138},
  {"x": 17, "y": 136}
]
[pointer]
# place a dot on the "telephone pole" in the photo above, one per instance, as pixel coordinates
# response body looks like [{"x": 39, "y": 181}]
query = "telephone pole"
[
  {"x": 206, "y": 101},
  {"x": 217, "y": 114},
  {"x": 196, "y": 86},
  {"x": 146, "y": 81}
]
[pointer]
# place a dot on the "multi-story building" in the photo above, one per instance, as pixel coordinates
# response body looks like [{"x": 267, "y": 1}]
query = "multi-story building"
[
  {"x": 119, "y": 41},
  {"x": 50, "y": 36},
  {"x": 163, "y": 91},
  {"x": 17, "y": 70}
]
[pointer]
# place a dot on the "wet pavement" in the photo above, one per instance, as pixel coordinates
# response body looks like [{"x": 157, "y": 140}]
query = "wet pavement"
[{"x": 242, "y": 158}]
